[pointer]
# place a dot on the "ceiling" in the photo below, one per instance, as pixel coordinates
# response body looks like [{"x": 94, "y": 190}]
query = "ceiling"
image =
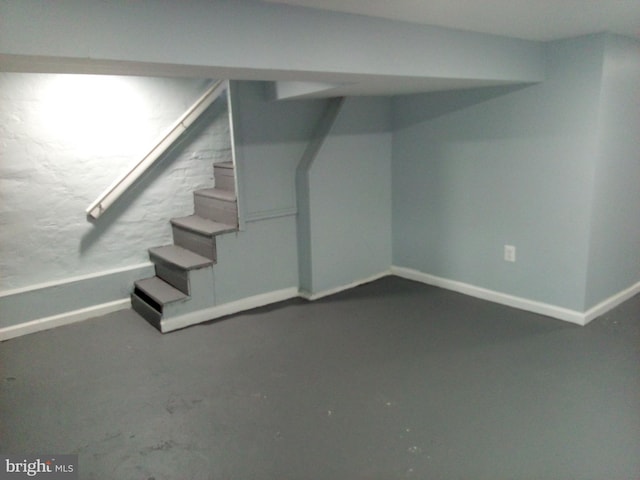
[
  {"x": 538, "y": 20},
  {"x": 541, "y": 20}
]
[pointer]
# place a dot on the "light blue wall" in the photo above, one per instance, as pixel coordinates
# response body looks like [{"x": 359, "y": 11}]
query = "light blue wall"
[
  {"x": 349, "y": 194},
  {"x": 260, "y": 259},
  {"x": 271, "y": 137},
  {"x": 350, "y": 197},
  {"x": 59, "y": 298},
  {"x": 502, "y": 167},
  {"x": 303, "y": 194},
  {"x": 270, "y": 140},
  {"x": 614, "y": 249}
]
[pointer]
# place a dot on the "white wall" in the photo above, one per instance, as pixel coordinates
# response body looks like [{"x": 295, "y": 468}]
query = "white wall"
[{"x": 64, "y": 140}]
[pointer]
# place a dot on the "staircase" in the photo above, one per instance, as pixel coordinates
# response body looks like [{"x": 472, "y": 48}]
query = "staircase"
[{"x": 184, "y": 278}]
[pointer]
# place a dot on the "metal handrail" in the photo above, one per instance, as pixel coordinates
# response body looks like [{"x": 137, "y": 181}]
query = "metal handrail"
[{"x": 117, "y": 188}]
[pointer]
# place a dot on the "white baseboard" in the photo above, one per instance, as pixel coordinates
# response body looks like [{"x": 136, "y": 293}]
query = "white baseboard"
[
  {"x": 548, "y": 310},
  {"x": 333, "y": 291},
  {"x": 76, "y": 279},
  {"x": 573, "y": 316},
  {"x": 553, "y": 311},
  {"x": 255, "y": 301},
  {"x": 66, "y": 318},
  {"x": 171, "y": 324},
  {"x": 611, "y": 302}
]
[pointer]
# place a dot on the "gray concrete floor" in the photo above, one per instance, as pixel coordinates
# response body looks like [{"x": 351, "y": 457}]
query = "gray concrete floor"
[{"x": 390, "y": 380}]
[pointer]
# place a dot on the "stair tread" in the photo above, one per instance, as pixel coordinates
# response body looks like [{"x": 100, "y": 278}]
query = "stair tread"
[
  {"x": 223, "y": 165},
  {"x": 180, "y": 257},
  {"x": 202, "y": 226},
  {"x": 160, "y": 291},
  {"x": 226, "y": 195}
]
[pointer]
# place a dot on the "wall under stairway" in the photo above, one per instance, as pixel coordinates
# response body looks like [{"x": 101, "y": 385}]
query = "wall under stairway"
[
  {"x": 64, "y": 140},
  {"x": 350, "y": 199},
  {"x": 271, "y": 137},
  {"x": 350, "y": 193}
]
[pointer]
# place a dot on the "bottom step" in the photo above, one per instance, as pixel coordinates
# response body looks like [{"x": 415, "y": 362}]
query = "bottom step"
[
  {"x": 158, "y": 293},
  {"x": 213, "y": 312},
  {"x": 147, "y": 312}
]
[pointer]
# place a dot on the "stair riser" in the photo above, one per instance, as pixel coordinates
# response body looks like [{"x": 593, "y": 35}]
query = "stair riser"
[
  {"x": 215, "y": 209},
  {"x": 203, "y": 297},
  {"x": 224, "y": 182},
  {"x": 224, "y": 179},
  {"x": 148, "y": 313},
  {"x": 174, "y": 276},
  {"x": 224, "y": 167},
  {"x": 203, "y": 291},
  {"x": 205, "y": 246}
]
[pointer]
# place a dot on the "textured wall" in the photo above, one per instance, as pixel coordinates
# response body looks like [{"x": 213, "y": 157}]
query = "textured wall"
[{"x": 63, "y": 140}]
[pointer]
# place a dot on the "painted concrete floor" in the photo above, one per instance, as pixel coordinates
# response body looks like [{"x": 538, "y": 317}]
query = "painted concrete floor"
[{"x": 390, "y": 380}]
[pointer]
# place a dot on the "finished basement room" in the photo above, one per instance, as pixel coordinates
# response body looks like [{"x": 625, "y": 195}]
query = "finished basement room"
[{"x": 310, "y": 239}]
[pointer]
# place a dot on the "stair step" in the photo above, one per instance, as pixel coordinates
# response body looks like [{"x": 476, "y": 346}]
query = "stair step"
[
  {"x": 178, "y": 257},
  {"x": 202, "y": 226},
  {"x": 173, "y": 263},
  {"x": 197, "y": 234},
  {"x": 158, "y": 291},
  {"x": 216, "y": 205},
  {"x": 148, "y": 312},
  {"x": 223, "y": 165},
  {"x": 224, "y": 176},
  {"x": 217, "y": 193}
]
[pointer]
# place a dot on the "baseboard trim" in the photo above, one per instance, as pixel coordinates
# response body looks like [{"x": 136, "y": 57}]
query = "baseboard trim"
[
  {"x": 264, "y": 299},
  {"x": 611, "y": 302},
  {"x": 546, "y": 309},
  {"x": 218, "y": 311},
  {"x": 65, "y": 318},
  {"x": 60, "y": 302},
  {"x": 76, "y": 279},
  {"x": 349, "y": 286}
]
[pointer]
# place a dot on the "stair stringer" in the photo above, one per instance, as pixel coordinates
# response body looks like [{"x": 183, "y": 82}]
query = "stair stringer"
[{"x": 201, "y": 297}]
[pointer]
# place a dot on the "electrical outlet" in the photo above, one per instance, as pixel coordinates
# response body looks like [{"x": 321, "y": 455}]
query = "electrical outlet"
[{"x": 510, "y": 253}]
